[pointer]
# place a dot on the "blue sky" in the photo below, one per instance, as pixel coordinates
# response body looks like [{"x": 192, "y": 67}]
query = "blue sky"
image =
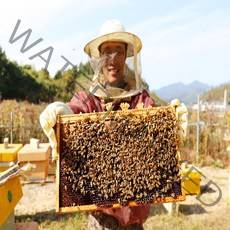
[{"x": 182, "y": 40}]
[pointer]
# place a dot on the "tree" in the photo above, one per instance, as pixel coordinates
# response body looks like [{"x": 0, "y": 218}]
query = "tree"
[
  {"x": 58, "y": 75},
  {"x": 65, "y": 86},
  {"x": 21, "y": 82}
]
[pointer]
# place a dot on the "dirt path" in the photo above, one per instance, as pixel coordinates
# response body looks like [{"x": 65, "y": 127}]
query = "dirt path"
[{"x": 36, "y": 198}]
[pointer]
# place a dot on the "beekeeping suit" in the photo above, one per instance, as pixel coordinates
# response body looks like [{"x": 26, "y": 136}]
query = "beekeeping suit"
[{"x": 101, "y": 96}]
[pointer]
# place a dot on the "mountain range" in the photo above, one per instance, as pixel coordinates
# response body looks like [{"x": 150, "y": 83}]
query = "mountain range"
[{"x": 186, "y": 93}]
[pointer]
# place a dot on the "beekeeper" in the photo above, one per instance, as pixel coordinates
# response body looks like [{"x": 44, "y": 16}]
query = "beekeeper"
[{"x": 115, "y": 58}]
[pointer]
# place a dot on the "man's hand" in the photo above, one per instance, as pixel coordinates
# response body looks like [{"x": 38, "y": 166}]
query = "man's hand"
[
  {"x": 48, "y": 120},
  {"x": 182, "y": 116}
]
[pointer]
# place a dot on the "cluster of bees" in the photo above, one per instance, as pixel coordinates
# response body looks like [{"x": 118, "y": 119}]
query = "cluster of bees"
[{"x": 126, "y": 158}]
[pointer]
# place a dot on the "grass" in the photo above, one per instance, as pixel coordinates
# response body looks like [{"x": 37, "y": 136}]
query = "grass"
[
  {"x": 53, "y": 221},
  {"x": 181, "y": 221},
  {"x": 68, "y": 223}
]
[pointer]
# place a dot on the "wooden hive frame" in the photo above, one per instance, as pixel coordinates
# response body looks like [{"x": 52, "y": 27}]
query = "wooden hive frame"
[{"x": 105, "y": 116}]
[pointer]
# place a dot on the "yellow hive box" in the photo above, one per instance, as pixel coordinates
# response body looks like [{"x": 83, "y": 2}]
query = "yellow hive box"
[
  {"x": 10, "y": 153},
  {"x": 191, "y": 178},
  {"x": 10, "y": 194},
  {"x": 5, "y": 165}
]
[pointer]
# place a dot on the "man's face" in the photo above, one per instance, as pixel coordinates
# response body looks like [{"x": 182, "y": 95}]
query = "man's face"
[{"x": 115, "y": 55}]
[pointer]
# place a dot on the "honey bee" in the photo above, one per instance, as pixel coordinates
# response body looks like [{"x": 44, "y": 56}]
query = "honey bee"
[{"x": 135, "y": 160}]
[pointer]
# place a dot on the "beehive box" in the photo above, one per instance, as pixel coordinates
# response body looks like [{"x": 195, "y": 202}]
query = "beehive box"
[
  {"x": 112, "y": 159},
  {"x": 10, "y": 153},
  {"x": 10, "y": 194},
  {"x": 37, "y": 156},
  {"x": 191, "y": 178},
  {"x": 5, "y": 165}
]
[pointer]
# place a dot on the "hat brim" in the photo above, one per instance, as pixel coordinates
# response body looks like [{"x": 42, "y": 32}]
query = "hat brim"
[{"x": 91, "y": 48}]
